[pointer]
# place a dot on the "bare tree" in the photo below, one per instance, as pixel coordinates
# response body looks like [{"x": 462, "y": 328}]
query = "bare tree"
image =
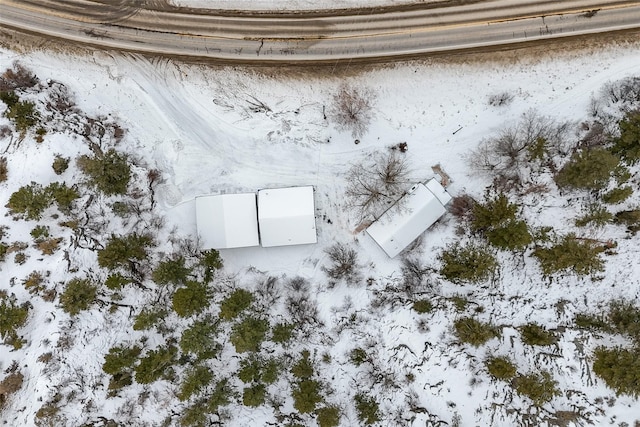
[
  {"x": 352, "y": 109},
  {"x": 508, "y": 154},
  {"x": 377, "y": 183}
]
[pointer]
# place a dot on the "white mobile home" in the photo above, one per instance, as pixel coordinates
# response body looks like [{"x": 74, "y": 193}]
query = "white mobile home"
[
  {"x": 227, "y": 221},
  {"x": 418, "y": 210},
  {"x": 286, "y": 216}
]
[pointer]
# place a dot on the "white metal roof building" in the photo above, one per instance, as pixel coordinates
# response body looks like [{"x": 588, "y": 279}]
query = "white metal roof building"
[
  {"x": 418, "y": 210},
  {"x": 227, "y": 221},
  {"x": 286, "y": 216}
]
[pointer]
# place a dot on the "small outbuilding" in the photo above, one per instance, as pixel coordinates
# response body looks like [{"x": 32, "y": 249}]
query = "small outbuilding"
[
  {"x": 415, "y": 212},
  {"x": 286, "y": 216},
  {"x": 227, "y": 221}
]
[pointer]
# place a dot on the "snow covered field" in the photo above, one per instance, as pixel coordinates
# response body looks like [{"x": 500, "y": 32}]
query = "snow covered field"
[{"x": 214, "y": 131}]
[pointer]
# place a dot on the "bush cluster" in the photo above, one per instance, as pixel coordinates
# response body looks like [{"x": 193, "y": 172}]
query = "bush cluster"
[
  {"x": 588, "y": 170},
  {"x": 31, "y": 200}
]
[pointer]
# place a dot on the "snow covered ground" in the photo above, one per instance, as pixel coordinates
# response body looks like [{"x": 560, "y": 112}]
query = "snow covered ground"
[
  {"x": 291, "y": 4},
  {"x": 199, "y": 127}
]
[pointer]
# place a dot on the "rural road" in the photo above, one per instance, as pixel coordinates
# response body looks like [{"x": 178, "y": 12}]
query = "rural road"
[{"x": 155, "y": 28}]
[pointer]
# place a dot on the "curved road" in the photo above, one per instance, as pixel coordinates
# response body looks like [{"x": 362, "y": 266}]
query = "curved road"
[{"x": 244, "y": 37}]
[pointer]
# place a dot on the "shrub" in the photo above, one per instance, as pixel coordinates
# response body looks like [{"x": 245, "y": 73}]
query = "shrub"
[
  {"x": 248, "y": 334},
  {"x": 210, "y": 261},
  {"x": 236, "y": 303},
  {"x": 303, "y": 368},
  {"x": 630, "y": 218},
  {"x": 282, "y": 332},
  {"x": 588, "y": 169},
  {"x": 4, "y": 170},
  {"x": 254, "y": 396},
  {"x": 570, "y": 254},
  {"x": 119, "y": 363},
  {"x": 123, "y": 251},
  {"x": 49, "y": 246},
  {"x": 60, "y": 164},
  {"x": 156, "y": 364},
  {"x": 596, "y": 215},
  {"x": 78, "y": 295},
  {"x": 12, "y": 317},
  {"x": 191, "y": 299},
  {"x": 9, "y": 385},
  {"x": 30, "y": 200},
  {"x": 627, "y": 145},
  {"x": 195, "y": 415},
  {"x": 591, "y": 322},
  {"x": 617, "y": 195},
  {"x": 34, "y": 283},
  {"x": 149, "y": 318},
  {"x": 171, "y": 271},
  {"x": 23, "y": 114},
  {"x": 358, "y": 356},
  {"x": 539, "y": 387},
  {"x": 474, "y": 332},
  {"x": 492, "y": 213},
  {"x": 534, "y": 334},
  {"x": 116, "y": 281},
  {"x": 328, "y": 416},
  {"x": 196, "y": 379},
  {"x": 40, "y": 232},
  {"x": 422, "y": 306},
  {"x": 109, "y": 172},
  {"x": 624, "y": 318},
  {"x": 257, "y": 369},
  {"x": 200, "y": 339},
  {"x": 462, "y": 206},
  {"x": 63, "y": 196},
  {"x": 500, "y": 368},
  {"x": 619, "y": 368},
  {"x": 344, "y": 263},
  {"x": 511, "y": 235},
  {"x": 306, "y": 395},
  {"x": 220, "y": 395},
  {"x": 367, "y": 409},
  {"x": 471, "y": 263},
  {"x": 120, "y": 359}
]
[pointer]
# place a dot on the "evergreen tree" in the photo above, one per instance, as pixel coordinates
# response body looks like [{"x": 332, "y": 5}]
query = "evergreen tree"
[
  {"x": 200, "y": 339},
  {"x": 236, "y": 303},
  {"x": 12, "y": 317},
  {"x": 78, "y": 295},
  {"x": 172, "y": 271},
  {"x": 619, "y": 368},
  {"x": 588, "y": 169},
  {"x": 248, "y": 334},
  {"x": 124, "y": 251},
  {"x": 191, "y": 299},
  {"x": 30, "y": 200},
  {"x": 109, "y": 172},
  {"x": 572, "y": 255},
  {"x": 196, "y": 379},
  {"x": 501, "y": 368},
  {"x": 539, "y": 387},
  {"x": 471, "y": 263},
  {"x": 156, "y": 364},
  {"x": 627, "y": 145},
  {"x": 474, "y": 332},
  {"x": 367, "y": 409}
]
